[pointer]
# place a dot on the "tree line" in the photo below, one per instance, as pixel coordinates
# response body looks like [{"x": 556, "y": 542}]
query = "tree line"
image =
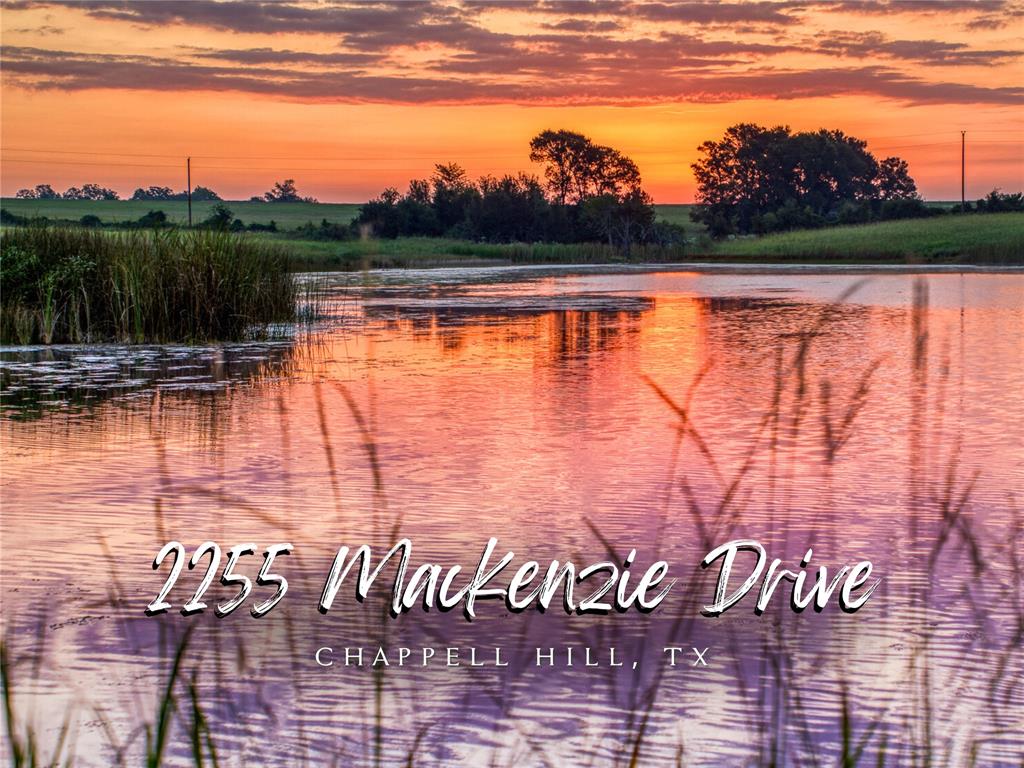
[
  {"x": 754, "y": 180},
  {"x": 757, "y": 180},
  {"x": 282, "y": 192},
  {"x": 590, "y": 193}
]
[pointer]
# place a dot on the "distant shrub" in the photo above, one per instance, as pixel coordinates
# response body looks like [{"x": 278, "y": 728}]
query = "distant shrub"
[
  {"x": 221, "y": 217},
  {"x": 909, "y": 208},
  {"x": 285, "y": 192},
  {"x": 994, "y": 202},
  {"x": 90, "y": 192},
  {"x": 667, "y": 235},
  {"x": 199, "y": 194},
  {"x": 326, "y": 230},
  {"x": 153, "y": 193},
  {"x": 998, "y": 202},
  {"x": 12, "y": 219},
  {"x": 39, "y": 192},
  {"x": 152, "y": 219},
  {"x": 203, "y": 194}
]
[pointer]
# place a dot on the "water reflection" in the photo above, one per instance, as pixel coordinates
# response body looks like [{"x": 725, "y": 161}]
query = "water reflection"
[
  {"x": 35, "y": 380},
  {"x": 570, "y": 414}
]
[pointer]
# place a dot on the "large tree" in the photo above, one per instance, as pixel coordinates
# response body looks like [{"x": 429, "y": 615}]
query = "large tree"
[
  {"x": 893, "y": 181},
  {"x": 509, "y": 209},
  {"x": 758, "y": 179},
  {"x": 594, "y": 190},
  {"x": 745, "y": 175},
  {"x": 623, "y": 221},
  {"x": 575, "y": 168},
  {"x": 831, "y": 168},
  {"x": 453, "y": 193}
]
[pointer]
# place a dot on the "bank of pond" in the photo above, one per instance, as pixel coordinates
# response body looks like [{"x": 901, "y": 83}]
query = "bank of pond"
[
  {"x": 969, "y": 239},
  {"x": 73, "y": 284}
]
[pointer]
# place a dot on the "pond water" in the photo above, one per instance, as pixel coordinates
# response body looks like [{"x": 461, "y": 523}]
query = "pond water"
[{"x": 573, "y": 414}]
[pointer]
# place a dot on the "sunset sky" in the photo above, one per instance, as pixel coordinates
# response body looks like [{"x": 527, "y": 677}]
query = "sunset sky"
[{"x": 347, "y": 98}]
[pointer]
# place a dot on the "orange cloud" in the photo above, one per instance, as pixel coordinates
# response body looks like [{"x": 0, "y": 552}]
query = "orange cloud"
[{"x": 84, "y": 84}]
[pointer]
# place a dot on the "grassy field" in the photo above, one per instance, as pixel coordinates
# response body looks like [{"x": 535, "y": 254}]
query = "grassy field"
[
  {"x": 678, "y": 214},
  {"x": 981, "y": 238},
  {"x": 315, "y": 255},
  {"x": 287, "y": 215},
  {"x": 993, "y": 238},
  {"x": 988, "y": 238}
]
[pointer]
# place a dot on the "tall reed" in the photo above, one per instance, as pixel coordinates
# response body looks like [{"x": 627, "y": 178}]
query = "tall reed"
[{"x": 74, "y": 285}]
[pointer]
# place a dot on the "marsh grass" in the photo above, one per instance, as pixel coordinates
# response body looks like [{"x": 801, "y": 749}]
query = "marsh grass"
[{"x": 76, "y": 285}]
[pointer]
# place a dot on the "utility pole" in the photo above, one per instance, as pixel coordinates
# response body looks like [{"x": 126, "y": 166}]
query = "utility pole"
[
  {"x": 188, "y": 181},
  {"x": 963, "y": 171}
]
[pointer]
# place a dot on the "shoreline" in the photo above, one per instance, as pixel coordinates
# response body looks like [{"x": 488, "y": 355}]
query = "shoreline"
[{"x": 703, "y": 267}]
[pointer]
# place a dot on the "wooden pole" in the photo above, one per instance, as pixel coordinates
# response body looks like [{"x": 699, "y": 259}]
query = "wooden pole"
[
  {"x": 188, "y": 181},
  {"x": 963, "y": 171}
]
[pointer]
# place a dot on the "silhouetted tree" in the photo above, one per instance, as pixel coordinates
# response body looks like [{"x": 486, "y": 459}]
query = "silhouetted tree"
[
  {"x": 153, "y": 193},
  {"x": 601, "y": 185},
  {"x": 39, "y": 192},
  {"x": 830, "y": 168},
  {"x": 199, "y": 194},
  {"x": 203, "y": 194},
  {"x": 452, "y": 194},
  {"x": 894, "y": 182},
  {"x": 285, "y": 192},
  {"x": 741, "y": 177},
  {"x": 90, "y": 192},
  {"x": 512, "y": 208},
  {"x": 623, "y": 221},
  {"x": 576, "y": 168},
  {"x": 758, "y": 179},
  {"x": 419, "y": 191},
  {"x": 381, "y": 214}
]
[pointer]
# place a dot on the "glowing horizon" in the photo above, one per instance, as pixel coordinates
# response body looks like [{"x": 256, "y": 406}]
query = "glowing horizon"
[{"x": 350, "y": 98}]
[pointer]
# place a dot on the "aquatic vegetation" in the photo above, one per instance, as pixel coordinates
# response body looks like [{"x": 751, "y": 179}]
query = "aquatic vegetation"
[{"x": 74, "y": 285}]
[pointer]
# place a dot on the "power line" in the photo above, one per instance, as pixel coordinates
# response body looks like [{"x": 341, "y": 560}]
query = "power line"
[
  {"x": 878, "y": 141},
  {"x": 359, "y": 156},
  {"x": 412, "y": 168},
  {"x": 283, "y": 168},
  {"x": 66, "y": 162}
]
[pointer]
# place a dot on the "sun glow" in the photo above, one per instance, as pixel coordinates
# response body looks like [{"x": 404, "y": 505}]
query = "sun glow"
[{"x": 354, "y": 102}]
